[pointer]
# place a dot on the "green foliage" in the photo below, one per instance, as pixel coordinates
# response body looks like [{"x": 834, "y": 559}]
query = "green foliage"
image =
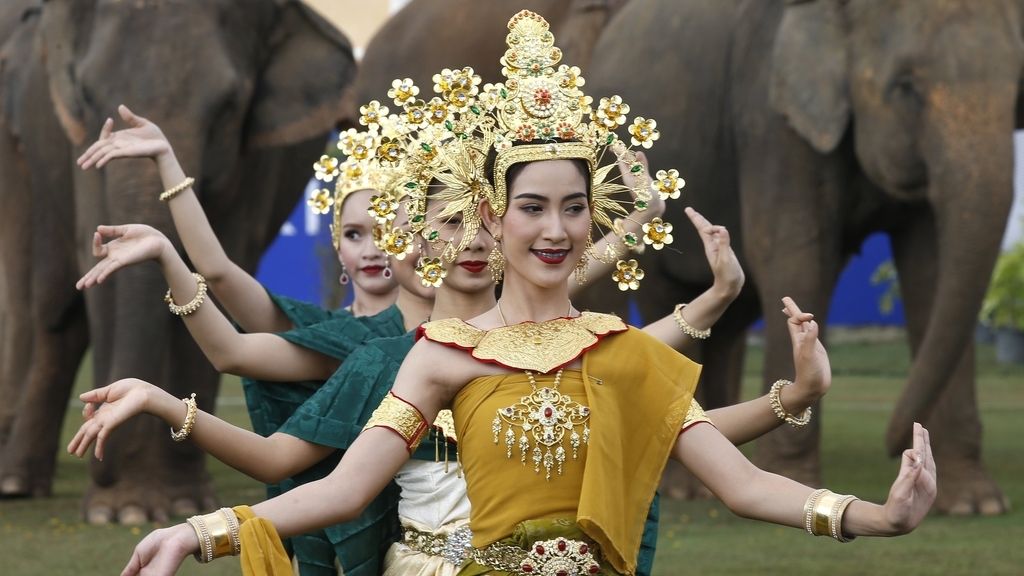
[
  {"x": 1003, "y": 306},
  {"x": 885, "y": 275}
]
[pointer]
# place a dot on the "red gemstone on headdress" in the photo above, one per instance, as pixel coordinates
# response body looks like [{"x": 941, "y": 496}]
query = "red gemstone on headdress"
[
  {"x": 561, "y": 545},
  {"x": 548, "y": 412},
  {"x": 539, "y": 550},
  {"x": 542, "y": 96},
  {"x": 562, "y": 573},
  {"x": 527, "y": 568},
  {"x": 594, "y": 569},
  {"x": 584, "y": 548}
]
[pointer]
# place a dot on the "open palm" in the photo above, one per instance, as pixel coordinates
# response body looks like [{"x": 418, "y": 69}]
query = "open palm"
[
  {"x": 105, "y": 409},
  {"x": 142, "y": 139}
]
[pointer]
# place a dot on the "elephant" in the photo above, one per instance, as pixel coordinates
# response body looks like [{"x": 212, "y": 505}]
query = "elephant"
[
  {"x": 247, "y": 93},
  {"x": 806, "y": 125}
]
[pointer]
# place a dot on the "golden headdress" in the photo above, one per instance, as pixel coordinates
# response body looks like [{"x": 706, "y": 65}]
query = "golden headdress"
[{"x": 539, "y": 113}]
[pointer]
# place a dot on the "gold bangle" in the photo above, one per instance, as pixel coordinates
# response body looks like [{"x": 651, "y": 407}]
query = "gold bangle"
[
  {"x": 776, "y": 404},
  {"x": 690, "y": 331},
  {"x": 812, "y": 500},
  {"x": 220, "y": 534},
  {"x": 205, "y": 552},
  {"x": 192, "y": 306},
  {"x": 836, "y": 520},
  {"x": 190, "y": 419},
  {"x": 175, "y": 190},
  {"x": 400, "y": 417},
  {"x": 823, "y": 513},
  {"x": 233, "y": 527}
]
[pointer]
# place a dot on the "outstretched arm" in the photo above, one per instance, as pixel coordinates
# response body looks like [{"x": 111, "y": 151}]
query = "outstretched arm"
[
  {"x": 268, "y": 460},
  {"x": 244, "y": 298},
  {"x": 368, "y": 465},
  {"x": 706, "y": 309},
  {"x": 260, "y": 355},
  {"x": 746, "y": 421},
  {"x": 753, "y": 493}
]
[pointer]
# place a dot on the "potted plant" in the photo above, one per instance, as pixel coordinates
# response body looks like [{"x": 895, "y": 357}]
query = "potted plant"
[{"x": 1003, "y": 307}]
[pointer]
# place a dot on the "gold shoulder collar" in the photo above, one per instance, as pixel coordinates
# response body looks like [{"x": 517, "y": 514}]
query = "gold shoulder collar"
[{"x": 536, "y": 346}]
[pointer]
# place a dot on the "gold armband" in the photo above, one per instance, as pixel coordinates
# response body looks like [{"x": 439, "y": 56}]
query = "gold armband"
[
  {"x": 217, "y": 533},
  {"x": 695, "y": 415},
  {"x": 823, "y": 514},
  {"x": 400, "y": 417}
]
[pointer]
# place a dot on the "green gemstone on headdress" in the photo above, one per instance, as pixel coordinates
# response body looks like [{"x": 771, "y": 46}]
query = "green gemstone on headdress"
[
  {"x": 640, "y": 204},
  {"x": 629, "y": 239},
  {"x": 474, "y": 109},
  {"x": 411, "y": 185},
  {"x": 417, "y": 219},
  {"x": 426, "y": 147},
  {"x": 610, "y": 139},
  {"x": 434, "y": 235},
  {"x": 448, "y": 124},
  {"x": 503, "y": 92},
  {"x": 636, "y": 168}
]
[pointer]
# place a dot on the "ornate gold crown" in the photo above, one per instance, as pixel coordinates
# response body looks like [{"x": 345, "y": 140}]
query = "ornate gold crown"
[{"x": 539, "y": 113}]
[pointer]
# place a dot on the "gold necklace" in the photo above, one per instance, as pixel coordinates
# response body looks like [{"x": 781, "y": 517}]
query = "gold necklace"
[
  {"x": 568, "y": 312},
  {"x": 547, "y": 415}
]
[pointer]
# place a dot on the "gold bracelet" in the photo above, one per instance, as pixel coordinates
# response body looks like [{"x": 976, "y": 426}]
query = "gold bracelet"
[
  {"x": 197, "y": 300},
  {"x": 220, "y": 534},
  {"x": 812, "y": 500},
  {"x": 690, "y": 331},
  {"x": 175, "y": 190},
  {"x": 233, "y": 527},
  {"x": 836, "y": 519},
  {"x": 205, "y": 552},
  {"x": 823, "y": 512},
  {"x": 776, "y": 404},
  {"x": 400, "y": 417},
  {"x": 190, "y": 419}
]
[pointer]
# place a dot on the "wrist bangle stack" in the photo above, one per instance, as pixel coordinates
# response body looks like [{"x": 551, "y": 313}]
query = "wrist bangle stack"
[
  {"x": 776, "y": 403},
  {"x": 217, "y": 533},
  {"x": 823, "y": 514},
  {"x": 197, "y": 300},
  {"x": 690, "y": 331},
  {"x": 175, "y": 190},
  {"x": 190, "y": 419}
]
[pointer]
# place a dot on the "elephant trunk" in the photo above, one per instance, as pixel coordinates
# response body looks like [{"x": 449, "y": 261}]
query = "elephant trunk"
[{"x": 970, "y": 179}]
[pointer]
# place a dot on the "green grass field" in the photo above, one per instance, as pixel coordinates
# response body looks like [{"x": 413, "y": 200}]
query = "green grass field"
[{"x": 47, "y": 537}]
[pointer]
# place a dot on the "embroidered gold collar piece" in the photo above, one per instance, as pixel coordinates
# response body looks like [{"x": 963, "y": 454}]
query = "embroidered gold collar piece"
[{"x": 536, "y": 346}]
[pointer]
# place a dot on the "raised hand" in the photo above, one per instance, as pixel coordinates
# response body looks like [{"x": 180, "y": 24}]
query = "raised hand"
[
  {"x": 162, "y": 551},
  {"x": 914, "y": 489},
  {"x": 107, "y": 408},
  {"x": 142, "y": 139},
  {"x": 725, "y": 266},
  {"x": 813, "y": 370},
  {"x": 120, "y": 246}
]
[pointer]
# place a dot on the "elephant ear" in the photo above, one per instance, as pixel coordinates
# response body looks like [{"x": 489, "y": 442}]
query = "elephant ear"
[
  {"x": 65, "y": 28},
  {"x": 809, "y": 72},
  {"x": 304, "y": 87}
]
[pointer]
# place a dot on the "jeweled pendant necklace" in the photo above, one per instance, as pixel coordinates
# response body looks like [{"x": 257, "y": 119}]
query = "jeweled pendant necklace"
[{"x": 545, "y": 415}]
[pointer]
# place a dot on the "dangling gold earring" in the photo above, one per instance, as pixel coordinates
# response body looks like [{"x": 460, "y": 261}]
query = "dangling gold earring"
[
  {"x": 581, "y": 267},
  {"x": 496, "y": 261}
]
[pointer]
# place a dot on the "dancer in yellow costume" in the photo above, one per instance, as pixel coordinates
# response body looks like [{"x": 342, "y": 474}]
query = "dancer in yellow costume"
[{"x": 565, "y": 419}]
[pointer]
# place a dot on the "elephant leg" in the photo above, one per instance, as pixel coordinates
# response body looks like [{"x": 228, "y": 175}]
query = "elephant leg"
[
  {"x": 133, "y": 325},
  {"x": 15, "y": 295},
  {"x": 792, "y": 228},
  {"x": 965, "y": 486}
]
